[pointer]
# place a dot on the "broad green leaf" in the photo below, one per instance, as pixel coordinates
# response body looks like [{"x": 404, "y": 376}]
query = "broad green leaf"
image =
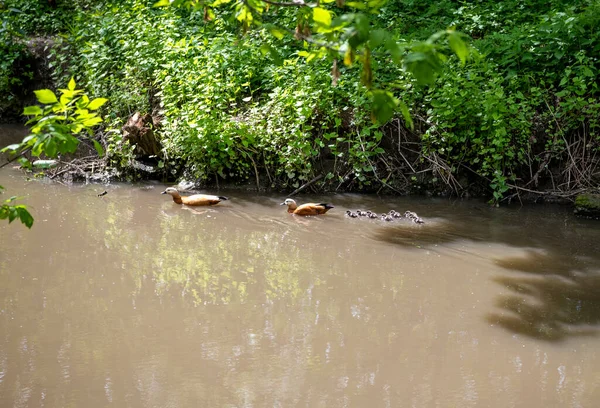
[
  {"x": 422, "y": 66},
  {"x": 50, "y": 147},
  {"x": 32, "y": 110},
  {"x": 45, "y": 96},
  {"x": 277, "y": 32},
  {"x": 384, "y": 105},
  {"x": 71, "y": 84},
  {"x": 98, "y": 148},
  {"x": 91, "y": 122},
  {"x": 97, "y": 103},
  {"x": 394, "y": 49},
  {"x": 162, "y": 3},
  {"x": 322, "y": 16},
  {"x": 458, "y": 46},
  {"x": 356, "y": 5},
  {"x": 25, "y": 216},
  {"x": 377, "y": 37}
]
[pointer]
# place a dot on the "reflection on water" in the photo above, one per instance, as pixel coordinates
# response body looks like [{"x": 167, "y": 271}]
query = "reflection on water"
[{"x": 131, "y": 300}]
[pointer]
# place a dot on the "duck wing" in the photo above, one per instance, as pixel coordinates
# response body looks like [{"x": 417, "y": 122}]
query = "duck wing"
[
  {"x": 202, "y": 199},
  {"x": 313, "y": 209}
]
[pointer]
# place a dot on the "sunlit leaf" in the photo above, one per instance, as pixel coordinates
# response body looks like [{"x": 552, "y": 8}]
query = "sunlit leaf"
[
  {"x": 71, "y": 84},
  {"x": 92, "y": 122},
  {"x": 458, "y": 46},
  {"x": 45, "y": 96},
  {"x": 162, "y": 3},
  {"x": 32, "y": 110},
  {"x": 322, "y": 16},
  {"x": 96, "y": 103}
]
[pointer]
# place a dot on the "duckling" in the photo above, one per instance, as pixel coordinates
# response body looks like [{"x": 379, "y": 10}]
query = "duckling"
[
  {"x": 371, "y": 214},
  {"x": 396, "y": 214},
  {"x": 194, "y": 200},
  {"x": 386, "y": 217},
  {"x": 351, "y": 214},
  {"x": 418, "y": 220},
  {"x": 411, "y": 215},
  {"x": 306, "y": 209},
  {"x": 362, "y": 213}
]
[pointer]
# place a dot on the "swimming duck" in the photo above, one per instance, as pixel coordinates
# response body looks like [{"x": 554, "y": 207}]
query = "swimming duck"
[
  {"x": 194, "y": 200},
  {"x": 396, "y": 214},
  {"x": 362, "y": 213},
  {"x": 306, "y": 209},
  {"x": 371, "y": 214},
  {"x": 418, "y": 220},
  {"x": 351, "y": 214}
]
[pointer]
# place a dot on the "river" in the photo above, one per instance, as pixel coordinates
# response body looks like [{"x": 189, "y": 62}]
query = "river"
[{"x": 130, "y": 300}]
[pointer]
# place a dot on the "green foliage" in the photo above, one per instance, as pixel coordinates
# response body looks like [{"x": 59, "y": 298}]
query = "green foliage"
[
  {"x": 56, "y": 126},
  {"x": 12, "y": 212},
  {"x": 246, "y": 87}
]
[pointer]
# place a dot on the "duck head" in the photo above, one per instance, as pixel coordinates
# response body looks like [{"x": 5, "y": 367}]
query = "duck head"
[
  {"x": 171, "y": 191},
  {"x": 290, "y": 203}
]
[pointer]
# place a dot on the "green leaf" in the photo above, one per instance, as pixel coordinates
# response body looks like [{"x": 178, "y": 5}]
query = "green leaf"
[
  {"x": 32, "y": 110},
  {"x": 98, "y": 148},
  {"x": 322, "y": 16},
  {"x": 384, "y": 105},
  {"x": 96, "y": 103},
  {"x": 50, "y": 147},
  {"x": 162, "y": 3},
  {"x": 92, "y": 122},
  {"x": 277, "y": 32},
  {"x": 45, "y": 96},
  {"x": 71, "y": 84},
  {"x": 406, "y": 115},
  {"x": 423, "y": 66},
  {"x": 25, "y": 216},
  {"x": 377, "y": 37},
  {"x": 458, "y": 46}
]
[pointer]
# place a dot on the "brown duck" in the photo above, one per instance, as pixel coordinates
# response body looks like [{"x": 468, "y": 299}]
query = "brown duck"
[
  {"x": 194, "y": 200},
  {"x": 306, "y": 209}
]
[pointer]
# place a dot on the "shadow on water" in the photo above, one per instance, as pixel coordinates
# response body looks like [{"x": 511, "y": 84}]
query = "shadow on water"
[
  {"x": 558, "y": 297},
  {"x": 554, "y": 289}
]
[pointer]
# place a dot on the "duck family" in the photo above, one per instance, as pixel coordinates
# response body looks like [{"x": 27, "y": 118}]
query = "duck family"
[{"x": 306, "y": 209}]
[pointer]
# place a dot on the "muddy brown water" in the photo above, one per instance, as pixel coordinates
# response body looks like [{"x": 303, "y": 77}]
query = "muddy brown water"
[{"x": 130, "y": 300}]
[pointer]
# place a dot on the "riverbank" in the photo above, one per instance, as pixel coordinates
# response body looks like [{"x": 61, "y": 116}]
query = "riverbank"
[{"x": 508, "y": 126}]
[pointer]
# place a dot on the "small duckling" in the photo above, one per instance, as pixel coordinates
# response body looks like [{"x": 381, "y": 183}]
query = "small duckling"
[
  {"x": 351, "y": 214},
  {"x": 306, "y": 209},
  {"x": 418, "y": 220},
  {"x": 396, "y": 214},
  {"x": 386, "y": 217},
  {"x": 371, "y": 214},
  {"x": 411, "y": 215},
  {"x": 361, "y": 213}
]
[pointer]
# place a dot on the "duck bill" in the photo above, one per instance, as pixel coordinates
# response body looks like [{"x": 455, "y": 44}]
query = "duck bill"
[
  {"x": 282, "y": 204},
  {"x": 164, "y": 192}
]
